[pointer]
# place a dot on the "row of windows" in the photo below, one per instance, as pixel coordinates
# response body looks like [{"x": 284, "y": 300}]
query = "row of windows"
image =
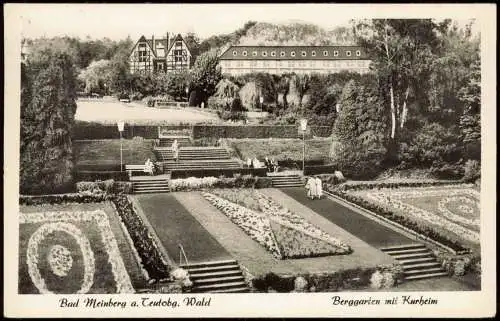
[
  {"x": 292, "y": 63},
  {"x": 284, "y": 70},
  {"x": 293, "y": 54}
]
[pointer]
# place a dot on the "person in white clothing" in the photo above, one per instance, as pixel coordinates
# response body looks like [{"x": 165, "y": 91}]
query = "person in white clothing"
[
  {"x": 319, "y": 187},
  {"x": 175, "y": 149},
  {"x": 148, "y": 167},
  {"x": 310, "y": 188}
]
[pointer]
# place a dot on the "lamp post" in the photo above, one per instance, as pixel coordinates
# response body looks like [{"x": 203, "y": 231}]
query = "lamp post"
[
  {"x": 303, "y": 127},
  {"x": 261, "y": 99},
  {"x": 121, "y": 126}
]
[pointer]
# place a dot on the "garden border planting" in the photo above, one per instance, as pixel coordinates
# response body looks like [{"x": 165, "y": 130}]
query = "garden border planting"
[{"x": 406, "y": 224}]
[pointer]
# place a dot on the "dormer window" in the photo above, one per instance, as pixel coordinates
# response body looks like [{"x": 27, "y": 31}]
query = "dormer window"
[
  {"x": 303, "y": 53},
  {"x": 273, "y": 53},
  {"x": 348, "y": 53},
  {"x": 325, "y": 53},
  {"x": 336, "y": 53},
  {"x": 254, "y": 53},
  {"x": 313, "y": 53},
  {"x": 235, "y": 53},
  {"x": 264, "y": 54},
  {"x": 292, "y": 54},
  {"x": 282, "y": 54},
  {"x": 358, "y": 53},
  {"x": 244, "y": 53}
]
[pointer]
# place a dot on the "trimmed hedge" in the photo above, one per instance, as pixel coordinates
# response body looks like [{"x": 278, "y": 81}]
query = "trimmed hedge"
[
  {"x": 371, "y": 185},
  {"x": 108, "y": 186},
  {"x": 402, "y": 220},
  {"x": 181, "y": 173},
  {"x": 63, "y": 198},
  {"x": 255, "y": 131},
  {"x": 100, "y": 175},
  {"x": 319, "y": 169},
  {"x": 194, "y": 183},
  {"x": 357, "y": 278},
  {"x": 84, "y": 130}
]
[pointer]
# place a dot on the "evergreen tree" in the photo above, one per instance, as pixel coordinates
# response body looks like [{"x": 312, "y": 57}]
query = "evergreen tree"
[{"x": 48, "y": 93}]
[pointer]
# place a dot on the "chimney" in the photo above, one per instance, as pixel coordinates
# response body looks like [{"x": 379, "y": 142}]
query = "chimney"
[
  {"x": 154, "y": 44},
  {"x": 168, "y": 41}
]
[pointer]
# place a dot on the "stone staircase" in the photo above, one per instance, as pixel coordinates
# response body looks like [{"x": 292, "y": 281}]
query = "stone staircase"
[
  {"x": 216, "y": 277},
  {"x": 150, "y": 185},
  {"x": 182, "y": 140},
  {"x": 287, "y": 181},
  {"x": 201, "y": 164},
  {"x": 417, "y": 260},
  {"x": 198, "y": 153}
]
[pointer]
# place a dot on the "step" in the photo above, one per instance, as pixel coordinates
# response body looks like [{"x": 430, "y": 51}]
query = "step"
[
  {"x": 151, "y": 192},
  {"x": 409, "y": 251},
  {"x": 425, "y": 276},
  {"x": 220, "y": 268},
  {"x": 151, "y": 187},
  {"x": 424, "y": 271},
  {"x": 219, "y": 280},
  {"x": 221, "y": 286},
  {"x": 194, "y": 276},
  {"x": 150, "y": 183},
  {"x": 415, "y": 261},
  {"x": 410, "y": 267},
  {"x": 233, "y": 290},
  {"x": 140, "y": 189},
  {"x": 412, "y": 256},
  {"x": 403, "y": 247},
  {"x": 207, "y": 264}
]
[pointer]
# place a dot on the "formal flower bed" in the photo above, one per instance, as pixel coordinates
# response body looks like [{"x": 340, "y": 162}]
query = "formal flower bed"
[
  {"x": 448, "y": 214},
  {"x": 283, "y": 233},
  {"x": 145, "y": 249},
  {"x": 70, "y": 252},
  {"x": 195, "y": 183}
]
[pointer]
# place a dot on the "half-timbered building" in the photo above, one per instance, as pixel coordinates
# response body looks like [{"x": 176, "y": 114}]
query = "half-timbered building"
[{"x": 160, "y": 55}]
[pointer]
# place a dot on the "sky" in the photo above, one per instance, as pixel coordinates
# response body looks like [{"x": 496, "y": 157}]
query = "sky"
[{"x": 117, "y": 21}]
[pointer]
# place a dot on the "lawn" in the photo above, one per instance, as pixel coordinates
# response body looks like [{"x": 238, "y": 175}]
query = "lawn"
[
  {"x": 135, "y": 151},
  {"x": 282, "y": 149},
  {"x": 283, "y": 233},
  {"x": 452, "y": 210},
  {"x": 75, "y": 248},
  {"x": 109, "y": 112},
  {"x": 174, "y": 225},
  {"x": 355, "y": 223}
]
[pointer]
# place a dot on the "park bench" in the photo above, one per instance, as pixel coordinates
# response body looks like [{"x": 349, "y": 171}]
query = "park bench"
[{"x": 134, "y": 168}]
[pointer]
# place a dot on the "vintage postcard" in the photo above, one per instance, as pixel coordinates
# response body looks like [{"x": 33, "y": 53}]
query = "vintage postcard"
[{"x": 250, "y": 160}]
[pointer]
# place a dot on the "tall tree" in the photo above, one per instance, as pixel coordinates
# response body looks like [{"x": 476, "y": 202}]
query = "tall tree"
[
  {"x": 205, "y": 75},
  {"x": 401, "y": 51},
  {"x": 47, "y": 115}
]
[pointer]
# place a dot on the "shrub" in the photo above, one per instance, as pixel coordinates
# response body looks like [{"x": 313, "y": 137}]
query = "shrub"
[
  {"x": 108, "y": 186},
  {"x": 193, "y": 183},
  {"x": 178, "y": 173},
  {"x": 472, "y": 170}
]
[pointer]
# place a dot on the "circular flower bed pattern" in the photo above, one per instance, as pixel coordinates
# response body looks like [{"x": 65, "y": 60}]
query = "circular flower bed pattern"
[
  {"x": 70, "y": 252},
  {"x": 454, "y": 210}
]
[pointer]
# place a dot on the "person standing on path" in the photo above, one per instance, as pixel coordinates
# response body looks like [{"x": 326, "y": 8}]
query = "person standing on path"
[
  {"x": 175, "y": 149},
  {"x": 309, "y": 187},
  {"x": 319, "y": 187}
]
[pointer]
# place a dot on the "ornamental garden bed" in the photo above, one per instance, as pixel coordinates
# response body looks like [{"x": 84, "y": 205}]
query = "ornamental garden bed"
[
  {"x": 82, "y": 243},
  {"x": 284, "y": 234},
  {"x": 448, "y": 214},
  {"x": 75, "y": 248}
]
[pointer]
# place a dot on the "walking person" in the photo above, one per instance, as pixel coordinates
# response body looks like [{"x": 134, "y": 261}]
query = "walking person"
[
  {"x": 175, "y": 149},
  {"x": 319, "y": 187},
  {"x": 309, "y": 187}
]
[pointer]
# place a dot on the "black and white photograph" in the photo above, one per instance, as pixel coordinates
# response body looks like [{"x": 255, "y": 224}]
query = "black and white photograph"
[{"x": 183, "y": 155}]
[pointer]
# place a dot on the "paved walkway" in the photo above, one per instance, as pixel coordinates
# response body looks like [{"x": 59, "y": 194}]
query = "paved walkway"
[
  {"x": 258, "y": 260},
  {"x": 357, "y": 224},
  {"x": 173, "y": 224}
]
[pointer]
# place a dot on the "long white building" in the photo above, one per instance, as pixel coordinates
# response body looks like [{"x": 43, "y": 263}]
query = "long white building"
[{"x": 237, "y": 60}]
